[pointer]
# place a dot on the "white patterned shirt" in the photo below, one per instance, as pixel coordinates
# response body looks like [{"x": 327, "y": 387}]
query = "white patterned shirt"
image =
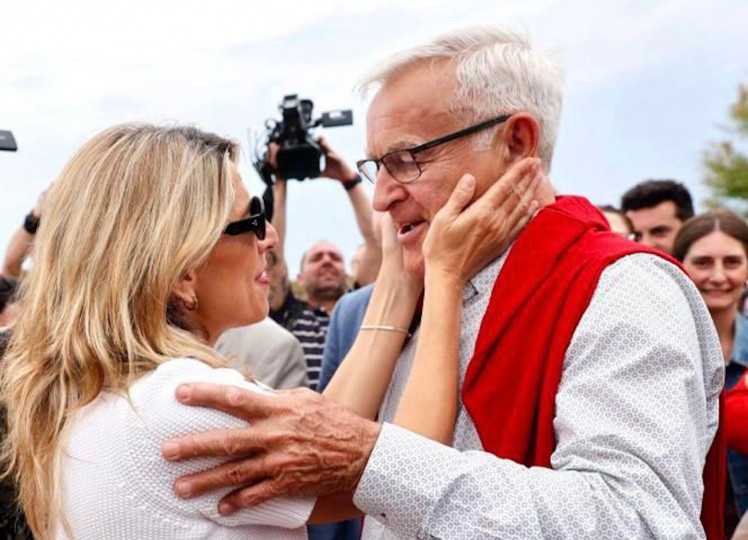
[{"x": 636, "y": 411}]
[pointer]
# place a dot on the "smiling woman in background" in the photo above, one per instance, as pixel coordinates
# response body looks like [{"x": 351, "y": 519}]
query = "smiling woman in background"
[{"x": 713, "y": 248}]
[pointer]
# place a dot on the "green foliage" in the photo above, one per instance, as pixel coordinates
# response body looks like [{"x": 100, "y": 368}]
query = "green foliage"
[{"x": 727, "y": 163}]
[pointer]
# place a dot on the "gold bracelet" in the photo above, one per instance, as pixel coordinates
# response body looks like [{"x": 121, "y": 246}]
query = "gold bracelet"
[{"x": 387, "y": 328}]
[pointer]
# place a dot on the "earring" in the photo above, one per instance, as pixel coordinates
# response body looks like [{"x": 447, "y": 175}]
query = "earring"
[{"x": 192, "y": 305}]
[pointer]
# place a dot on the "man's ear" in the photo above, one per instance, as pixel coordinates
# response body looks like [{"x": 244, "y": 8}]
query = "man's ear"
[
  {"x": 520, "y": 137},
  {"x": 185, "y": 290}
]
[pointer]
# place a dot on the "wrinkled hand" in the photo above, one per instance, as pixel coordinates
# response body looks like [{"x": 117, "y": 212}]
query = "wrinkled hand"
[
  {"x": 335, "y": 166},
  {"x": 299, "y": 443},
  {"x": 463, "y": 237}
]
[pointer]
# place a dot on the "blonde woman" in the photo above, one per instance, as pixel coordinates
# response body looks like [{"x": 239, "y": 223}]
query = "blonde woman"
[{"x": 150, "y": 248}]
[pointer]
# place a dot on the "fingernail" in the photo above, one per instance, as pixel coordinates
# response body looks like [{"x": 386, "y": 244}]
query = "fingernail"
[
  {"x": 225, "y": 509},
  {"x": 468, "y": 181},
  {"x": 169, "y": 450},
  {"x": 183, "y": 489},
  {"x": 183, "y": 392}
]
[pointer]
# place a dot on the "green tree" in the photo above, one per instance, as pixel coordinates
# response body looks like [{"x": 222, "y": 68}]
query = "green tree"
[{"x": 727, "y": 162}]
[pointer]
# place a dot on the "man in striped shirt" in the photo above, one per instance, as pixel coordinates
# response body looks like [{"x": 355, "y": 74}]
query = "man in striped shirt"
[
  {"x": 309, "y": 325},
  {"x": 322, "y": 275},
  {"x": 323, "y": 280}
]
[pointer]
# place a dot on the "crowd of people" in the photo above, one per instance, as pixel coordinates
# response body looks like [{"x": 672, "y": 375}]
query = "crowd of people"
[{"x": 501, "y": 361}]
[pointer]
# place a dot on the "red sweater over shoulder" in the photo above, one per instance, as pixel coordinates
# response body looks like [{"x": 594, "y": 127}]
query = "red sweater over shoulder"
[
  {"x": 736, "y": 420},
  {"x": 537, "y": 302}
]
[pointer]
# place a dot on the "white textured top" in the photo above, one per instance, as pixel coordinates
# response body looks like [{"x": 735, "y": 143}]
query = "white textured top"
[
  {"x": 636, "y": 411},
  {"x": 116, "y": 485}
]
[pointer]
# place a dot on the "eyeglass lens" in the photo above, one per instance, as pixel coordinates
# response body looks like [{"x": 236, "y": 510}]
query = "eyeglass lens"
[{"x": 401, "y": 165}]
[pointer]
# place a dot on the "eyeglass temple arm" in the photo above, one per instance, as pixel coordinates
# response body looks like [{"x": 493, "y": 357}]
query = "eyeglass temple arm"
[{"x": 461, "y": 133}]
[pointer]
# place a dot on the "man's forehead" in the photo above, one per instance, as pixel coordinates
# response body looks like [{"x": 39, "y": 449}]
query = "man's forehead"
[
  {"x": 409, "y": 110},
  {"x": 323, "y": 247},
  {"x": 405, "y": 140},
  {"x": 654, "y": 215}
]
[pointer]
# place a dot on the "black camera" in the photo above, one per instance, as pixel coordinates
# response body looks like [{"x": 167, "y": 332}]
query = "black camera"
[
  {"x": 299, "y": 153},
  {"x": 7, "y": 141}
]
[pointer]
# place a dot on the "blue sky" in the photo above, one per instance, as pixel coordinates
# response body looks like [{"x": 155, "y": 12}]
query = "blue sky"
[{"x": 648, "y": 83}]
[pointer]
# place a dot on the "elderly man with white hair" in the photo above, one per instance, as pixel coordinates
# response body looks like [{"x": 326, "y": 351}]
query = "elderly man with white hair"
[{"x": 589, "y": 369}]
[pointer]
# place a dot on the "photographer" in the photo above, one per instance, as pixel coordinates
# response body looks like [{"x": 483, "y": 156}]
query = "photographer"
[
  {"x": 322, "y": 275},
  {"x": 22, "y": 241}
]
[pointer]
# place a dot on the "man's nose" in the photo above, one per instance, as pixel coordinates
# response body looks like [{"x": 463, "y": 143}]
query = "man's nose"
[{"x": 387, "y": 191}]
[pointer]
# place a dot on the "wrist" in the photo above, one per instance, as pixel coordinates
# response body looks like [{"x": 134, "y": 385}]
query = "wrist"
[
  {"x": 351, "y": 182},
  {"x": 392, "y": 304},
  {"x": 31, "y": 223},
  {"x": 444, "y": 279},
  {"x": 396, "y": 282},
  {"x": 367, "y": 440}
]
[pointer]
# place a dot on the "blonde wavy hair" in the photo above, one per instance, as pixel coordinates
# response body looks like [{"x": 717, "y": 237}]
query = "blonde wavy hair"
[{"x": 136, "y": 208}]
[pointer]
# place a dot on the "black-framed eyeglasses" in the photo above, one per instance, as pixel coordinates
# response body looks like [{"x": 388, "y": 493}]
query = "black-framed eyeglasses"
[
  {"x": 255, "y": 223},
  {"x": 403, "y": 165}
]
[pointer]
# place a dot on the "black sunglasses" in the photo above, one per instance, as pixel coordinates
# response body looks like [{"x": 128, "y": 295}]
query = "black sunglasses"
[
  {"x": 255, "y": 223},
  {"x": 402, "y": 164}
]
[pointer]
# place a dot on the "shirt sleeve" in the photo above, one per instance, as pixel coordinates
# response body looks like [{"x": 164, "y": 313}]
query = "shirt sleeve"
[
  {"x": 164, "y": 417},
  {"x": 636, "y": 411},
  {"x": 285, "y": 360},
  {"x": 294, "y": 372}
]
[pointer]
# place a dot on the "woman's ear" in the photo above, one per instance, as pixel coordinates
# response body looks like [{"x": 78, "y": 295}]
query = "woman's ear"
[
  {"x": 519, "y": 137},
  {"x": 185, "y": 290}
]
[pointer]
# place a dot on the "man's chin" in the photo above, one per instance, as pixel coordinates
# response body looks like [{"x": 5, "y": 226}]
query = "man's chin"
[
  {"x": 330, "y": 281},
  {"x": 332, "y": 292}
]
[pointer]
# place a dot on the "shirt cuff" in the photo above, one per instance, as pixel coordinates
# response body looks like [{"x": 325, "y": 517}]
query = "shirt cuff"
[{"x": 404, "y": 480}]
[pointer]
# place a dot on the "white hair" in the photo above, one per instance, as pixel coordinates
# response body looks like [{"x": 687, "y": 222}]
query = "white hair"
[{"x": 498, "y": 72}]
